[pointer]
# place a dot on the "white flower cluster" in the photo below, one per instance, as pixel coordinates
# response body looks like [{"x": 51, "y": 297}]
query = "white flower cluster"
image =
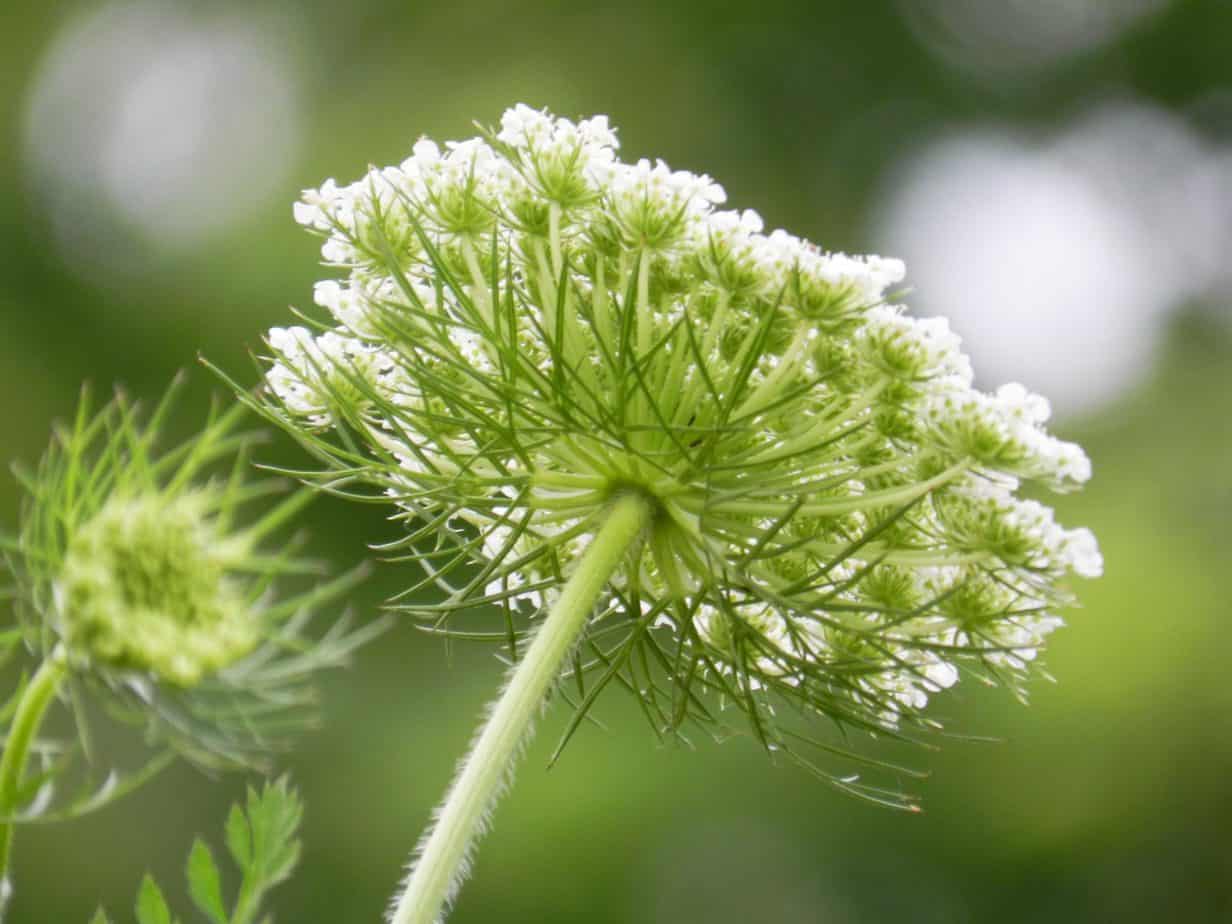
[
  {"x": 986, "y": 515},
  {"x": 1009, "y": 642},
  {"x": 531, "y": 326},
  {"x": 1004, "y": 433},
  {"x": 777, "y": 647},
  {"x": 314, "y": 375},
  {"x": 913, "y": 350}
]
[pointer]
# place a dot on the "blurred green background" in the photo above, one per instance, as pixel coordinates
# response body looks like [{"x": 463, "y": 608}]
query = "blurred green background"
[{"x": 1058, "y": 175}]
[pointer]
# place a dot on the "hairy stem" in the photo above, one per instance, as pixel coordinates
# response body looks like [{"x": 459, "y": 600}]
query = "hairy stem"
[
  {"x": 443, "y": 858},
  {"x": 31, "y": 709}
]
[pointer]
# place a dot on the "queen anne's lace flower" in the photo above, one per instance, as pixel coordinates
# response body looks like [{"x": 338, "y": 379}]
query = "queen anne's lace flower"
[{"x": 530, "y": 328}]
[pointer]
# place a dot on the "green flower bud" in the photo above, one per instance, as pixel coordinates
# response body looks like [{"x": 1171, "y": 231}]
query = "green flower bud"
[
  {"x": 141, "y": 571},
  {"x": 145, "y": 586}
]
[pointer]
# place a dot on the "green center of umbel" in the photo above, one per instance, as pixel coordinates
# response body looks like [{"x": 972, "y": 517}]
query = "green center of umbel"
[{"x": 144, "y": 587}]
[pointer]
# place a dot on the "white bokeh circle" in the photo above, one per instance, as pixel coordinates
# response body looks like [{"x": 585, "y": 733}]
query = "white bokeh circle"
[
  {"x": 1058, "y": 260},
  {"x": 155, "y": 126}
]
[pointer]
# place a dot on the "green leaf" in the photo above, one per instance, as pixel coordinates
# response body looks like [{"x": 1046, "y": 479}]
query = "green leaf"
[
  {"x": 273, "y": 816},
  {"x": 263, "y": 839},
  {"x": 239, "y": 839},
  {"x": 205, "y": 884},
  {"x": 262, "y": 836},
  {"x": 100, "y": 917},
  {"x": 151, "y": 906}
]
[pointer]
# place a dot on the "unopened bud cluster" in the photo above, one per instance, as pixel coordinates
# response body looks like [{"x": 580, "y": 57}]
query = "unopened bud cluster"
[
  {"x": 145, "y": 587},
  {"x": 148, "y": 573}
]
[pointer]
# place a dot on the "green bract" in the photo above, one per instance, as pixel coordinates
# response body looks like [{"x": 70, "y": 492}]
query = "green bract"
[{"x": 528, "y": 330}]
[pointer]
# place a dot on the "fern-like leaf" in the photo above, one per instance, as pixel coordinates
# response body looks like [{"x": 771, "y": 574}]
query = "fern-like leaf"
[{"x": 263, "y": 839}]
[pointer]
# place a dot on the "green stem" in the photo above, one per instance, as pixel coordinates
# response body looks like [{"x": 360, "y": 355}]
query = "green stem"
[
  {"x": 247, "y": 903},
  {"x": 554, "y": 237},
  {"x": 28, "y": 718},
  {"x": 771, "y": 505},
  {"x": 443, "y": 857}
]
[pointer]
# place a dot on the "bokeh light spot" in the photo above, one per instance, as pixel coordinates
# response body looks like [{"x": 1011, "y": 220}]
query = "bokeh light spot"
[
  {"x": 151, "y": 128},
  {"x": 1058, "y": 260}
]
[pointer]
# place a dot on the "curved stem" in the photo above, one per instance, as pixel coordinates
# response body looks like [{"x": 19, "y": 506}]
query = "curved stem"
[
  {"x": 443, "y": 857},
  {"x": 28, "y": 718}
]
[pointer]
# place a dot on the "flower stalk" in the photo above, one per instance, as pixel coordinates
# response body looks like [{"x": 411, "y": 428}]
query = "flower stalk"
[
  {"x": 443, "y": 858},
  {"x": 31, "y": 710}
]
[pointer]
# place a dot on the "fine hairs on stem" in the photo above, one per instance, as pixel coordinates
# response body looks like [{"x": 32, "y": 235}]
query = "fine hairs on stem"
[{"x": 442, "y": 860}]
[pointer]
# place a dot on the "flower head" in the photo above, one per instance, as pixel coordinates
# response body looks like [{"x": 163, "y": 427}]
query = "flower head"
[
  {"x": 534, "y": 328},
  {"x": 144, "y": 586},
  {"x": 134, "y": 569}
]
